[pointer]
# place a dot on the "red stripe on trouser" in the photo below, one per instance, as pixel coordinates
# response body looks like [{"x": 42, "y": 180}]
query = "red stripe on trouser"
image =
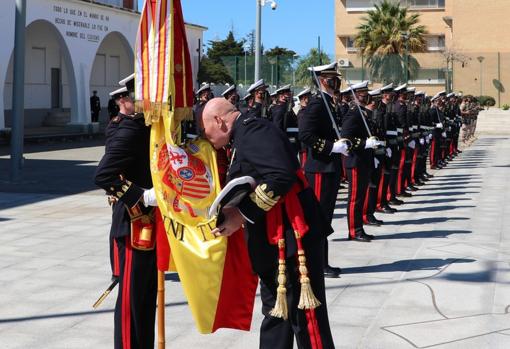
[
  {"x": 116, "y": 262},
  {"x": 380, "y": 191},
  {"x": 365, "y": 205},
  {"x": 126, "y": 297},
  {"x": 318, "y": 185},
  {"x": 313, "y": 329},
  {"x": 401, "y": 171},
  {"x": 432, "y": 153},
  {"x": 413, "y": 166},
  {"x": 352, "y": 203},
  {"x": 303, "y": 158}
]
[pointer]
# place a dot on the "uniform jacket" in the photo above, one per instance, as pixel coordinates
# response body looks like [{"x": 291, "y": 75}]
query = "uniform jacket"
[
  {"x": 273, "y": 165},
  {"x": 317, "y": 133},
  {"x": 126, "y": 154},
  {"x": 353, "y": 128}
]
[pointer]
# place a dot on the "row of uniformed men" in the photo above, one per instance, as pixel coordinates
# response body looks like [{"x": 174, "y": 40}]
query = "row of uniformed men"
[{"x": 379, "y": 141}]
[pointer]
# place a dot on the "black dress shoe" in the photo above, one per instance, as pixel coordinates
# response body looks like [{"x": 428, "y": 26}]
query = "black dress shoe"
[
  {"x": 386, "y": 209},
  {"x": 337, "y": 269},
  {"x": 362, "y": 237},
  {"x": 371, "y": 220},
  {"x": 370, "y": 236},
  {"x": 331, "y": 273},
  {"x": 412, "y": 188},
  {"x": 405, "y": 194},
  {"x": 391, "y": 209},
  {"x": 396, "y": 202},
  {"x": 419, "y": 182},
  {"x": 429, "y": 175},
  {"x": 374, "y": 219}
]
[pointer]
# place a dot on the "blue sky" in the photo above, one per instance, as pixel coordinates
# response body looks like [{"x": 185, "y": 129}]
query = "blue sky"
[{"x": 295, "y": 24}]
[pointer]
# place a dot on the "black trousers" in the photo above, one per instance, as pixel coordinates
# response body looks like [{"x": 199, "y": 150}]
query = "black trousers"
[
  {"x": 358, "y": 184},
  {"x": 393, "y": 176},
  {"x": 325, "y": 186},
  {"x": 95, "y": 116},
  {"x": 276, "y": 333},
  {"x": 382, "y": 188},
  {"x": 373, "y": 190},
  {"x": 135, "y": 310}
]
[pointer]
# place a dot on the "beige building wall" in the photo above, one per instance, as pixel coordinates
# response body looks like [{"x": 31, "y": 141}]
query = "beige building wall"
[{"x": 471, "y": 29}]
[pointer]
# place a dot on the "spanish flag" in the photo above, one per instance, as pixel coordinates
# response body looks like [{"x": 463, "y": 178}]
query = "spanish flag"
[{"x": 215, "y": 273}]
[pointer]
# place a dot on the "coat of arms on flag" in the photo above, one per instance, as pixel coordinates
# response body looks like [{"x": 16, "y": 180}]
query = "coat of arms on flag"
[{"x": 215, "y": 272}]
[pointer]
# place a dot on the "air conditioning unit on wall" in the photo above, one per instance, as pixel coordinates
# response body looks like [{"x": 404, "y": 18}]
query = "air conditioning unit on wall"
[{"x": 343, "y": 62}]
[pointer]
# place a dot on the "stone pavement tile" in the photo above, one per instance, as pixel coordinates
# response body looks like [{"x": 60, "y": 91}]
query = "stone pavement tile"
[{"x": 436, "y": 332}]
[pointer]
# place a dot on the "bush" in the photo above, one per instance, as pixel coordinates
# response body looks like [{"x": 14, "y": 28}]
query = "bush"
[
  {"x": 505, "y": 107},
  {"x": 486, "y": 101}
]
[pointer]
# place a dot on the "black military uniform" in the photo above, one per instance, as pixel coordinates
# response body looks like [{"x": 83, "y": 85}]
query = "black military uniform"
[
  {"x": 193, "y": 128},
  {"x": 322, "y": 167},
  {"x": 113, "y": 108},
  {"x": 275, "y": 168},
  {"x": 123, "y": 172},
  {"x": 258, "y": 110},
  {"x": 376, "y": 123},
  {"x": 400, "y": 109},
  {"x": 95, "y": 107},
  {"x": 437, "y": 118},
  {"x": 359, "y": 166}
]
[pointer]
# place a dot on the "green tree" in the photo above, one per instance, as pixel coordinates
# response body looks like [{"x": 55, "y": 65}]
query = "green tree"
[
  {"x": 216, "y": 67},
  {"x": 281, "y": 59},
  {"x": 303, "y": 75},
  {"x": 384, "y": 37}
]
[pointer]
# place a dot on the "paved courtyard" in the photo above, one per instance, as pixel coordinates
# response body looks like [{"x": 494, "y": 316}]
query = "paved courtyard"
[{"x": 438, "y": 274}]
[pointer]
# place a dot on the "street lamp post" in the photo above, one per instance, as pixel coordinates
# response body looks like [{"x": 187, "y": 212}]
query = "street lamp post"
[
  {"x": 258, "y": 27},
  {"x": 18, "y": 98},
  {"x": 480, "y": 59}
]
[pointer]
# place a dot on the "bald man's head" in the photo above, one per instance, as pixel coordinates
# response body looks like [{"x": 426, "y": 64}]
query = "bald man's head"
[{"x": 218, "y": 120}]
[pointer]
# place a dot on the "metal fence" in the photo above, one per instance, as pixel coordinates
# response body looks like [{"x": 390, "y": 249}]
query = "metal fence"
[{"x": 473, "y": 73}]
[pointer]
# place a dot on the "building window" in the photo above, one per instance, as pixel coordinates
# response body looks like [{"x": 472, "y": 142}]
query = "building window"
[
  {"x": 365, "y": 5},
  {"x": 435, "y": 43},
  {"x": 423, "y": 3},
  {"x": 429, "y": 77},
  {"x": 349, "y": 44}
]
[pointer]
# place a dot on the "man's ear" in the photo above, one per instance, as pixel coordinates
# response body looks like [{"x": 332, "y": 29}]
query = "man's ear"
[{"x": 218, "y": 120}]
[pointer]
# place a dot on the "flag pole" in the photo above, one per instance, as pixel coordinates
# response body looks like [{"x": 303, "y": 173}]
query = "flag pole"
[{"x": 161, "y": 309}]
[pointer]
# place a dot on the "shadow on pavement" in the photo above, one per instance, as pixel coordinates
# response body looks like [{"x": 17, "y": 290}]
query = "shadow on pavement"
[
  {"x": 54, "y": 177},
  {"x": 448, "y": 193},
  {"x": 424, "y": 234},
  {"x": 51, "y": 146},
  {"x": 434, "y": 208},
  {"x": 440, "y": 201},
  {"x": 406, "y": 265},
  {"x": 71, "y": 314},
  {"x": 428, "y": 220}
]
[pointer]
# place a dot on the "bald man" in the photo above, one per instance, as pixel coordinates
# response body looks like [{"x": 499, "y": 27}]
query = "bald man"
[{"x": 263, "y": 152}]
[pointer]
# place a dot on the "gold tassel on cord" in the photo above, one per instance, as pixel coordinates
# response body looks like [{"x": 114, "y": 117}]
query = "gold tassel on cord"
[
  {"x": 307, "y": 299},
  {"x": 280, "y": 309}
]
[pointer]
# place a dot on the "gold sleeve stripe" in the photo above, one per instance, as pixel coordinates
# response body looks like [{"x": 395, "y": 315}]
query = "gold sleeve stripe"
[
  {"x": 261, "y": 204},
  {"x": 267, "y": 197}
]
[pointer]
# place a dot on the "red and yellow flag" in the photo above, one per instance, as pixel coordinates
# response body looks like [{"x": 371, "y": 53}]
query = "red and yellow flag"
[{"x": 215, "y": 273}]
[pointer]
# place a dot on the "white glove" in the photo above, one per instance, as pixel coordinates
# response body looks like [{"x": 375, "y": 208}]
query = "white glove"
[
  {"x": 149, "y": 198},
  {"x": 430, "y": 137},
  {"x": 412, "y": 144},
  {"x": 372, "y": 143},
  {"x": 340, "y": 147},
  {"x": 439, "y": 125},
  {"x": 422, "y": 141},
  {"x": 443, "y": 134},
  {"x": 376, "y": 163},
  {"x": 388, "y": 152}
]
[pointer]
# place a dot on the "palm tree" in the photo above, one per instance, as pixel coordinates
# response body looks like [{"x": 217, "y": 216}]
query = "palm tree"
[{"x": 386, "y": 36}]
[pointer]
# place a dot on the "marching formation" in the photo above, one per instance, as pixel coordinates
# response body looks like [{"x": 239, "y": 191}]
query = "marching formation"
[{"x": 380, "y": 143}]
